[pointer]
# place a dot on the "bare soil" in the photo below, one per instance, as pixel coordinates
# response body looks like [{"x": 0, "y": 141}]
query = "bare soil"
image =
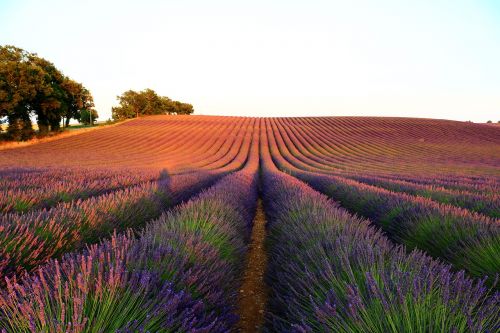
[{"x": 253, "y": 292}]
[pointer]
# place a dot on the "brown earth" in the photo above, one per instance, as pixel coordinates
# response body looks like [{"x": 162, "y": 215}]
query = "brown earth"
[{"x": 253, "y": 292}]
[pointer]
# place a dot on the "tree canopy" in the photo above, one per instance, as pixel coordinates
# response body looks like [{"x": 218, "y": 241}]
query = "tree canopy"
[
  {"x": 147, "y": 102},
  {"x": 32, "y": 86}
]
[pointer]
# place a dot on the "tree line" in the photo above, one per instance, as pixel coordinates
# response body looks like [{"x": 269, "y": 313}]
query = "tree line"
[
  {"x": 147, "y": 102},
  {"x": 31, "y": 86}
]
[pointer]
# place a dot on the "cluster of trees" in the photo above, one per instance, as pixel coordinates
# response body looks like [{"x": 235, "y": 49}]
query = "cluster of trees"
[
  {"x": 32, "y": 86},
  {"x": 147, "y": 102}
]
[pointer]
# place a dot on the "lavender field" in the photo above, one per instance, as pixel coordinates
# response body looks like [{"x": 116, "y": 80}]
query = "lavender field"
[{"x": 366, "y": 225}]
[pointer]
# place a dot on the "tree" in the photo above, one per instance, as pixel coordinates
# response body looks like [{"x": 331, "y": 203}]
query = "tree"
[
  {"x": 32, "y": 86},
  {"x": 183, "y": 108},
  {"x": 48, "y": 103},
  {"x": 20, "y": 82},
  {"x": 86, "y": 115},
  {"x": 147, "y": 102},
  {"x": 130, "y": 106},
  {"x": 489, "y": 122},
  {"x": 77, "y": 101}
]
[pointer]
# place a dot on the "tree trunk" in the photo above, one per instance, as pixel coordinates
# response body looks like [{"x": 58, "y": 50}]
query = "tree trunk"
[
  {"x": 14, "y": 128},
  {"x": 55, "y": 125},
  {"x": 19, "y": 126},
  {"x": 43, "y": 124}
]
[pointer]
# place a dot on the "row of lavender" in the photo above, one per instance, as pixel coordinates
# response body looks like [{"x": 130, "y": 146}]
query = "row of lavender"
[
  {"x": 487, "y": 204},
  {"x": 476, "y": 184},
  {"x": 29, "y": 178},
  {"x": 332, "y": 272},
  {"x": 466, "y": 240},
  {"x": 30, "y": 239},
  {"x": 22, "y": 190},
  {"x": 180, "y": 274}
]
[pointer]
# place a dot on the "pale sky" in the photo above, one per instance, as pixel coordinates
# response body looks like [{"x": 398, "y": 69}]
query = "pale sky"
[{"x": 426, "y": 58}]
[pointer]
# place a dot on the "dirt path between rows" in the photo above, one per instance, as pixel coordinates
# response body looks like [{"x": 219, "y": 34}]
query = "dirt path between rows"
[{"x": 253, "y": 292}]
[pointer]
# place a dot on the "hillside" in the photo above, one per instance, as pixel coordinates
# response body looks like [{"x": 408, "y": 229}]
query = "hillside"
[{"x": 341, "y": 144}]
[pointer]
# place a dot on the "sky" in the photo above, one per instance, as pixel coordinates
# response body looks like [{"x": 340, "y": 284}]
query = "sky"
[{"x": 427, "y": 58}]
